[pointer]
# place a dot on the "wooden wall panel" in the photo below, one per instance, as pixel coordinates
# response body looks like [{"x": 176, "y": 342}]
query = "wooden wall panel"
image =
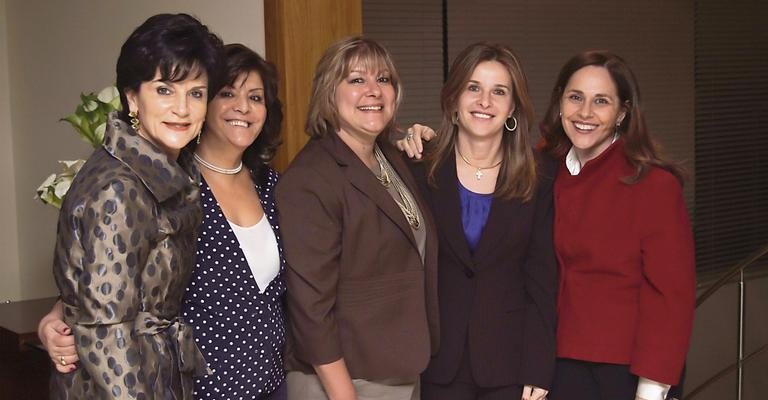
[{"x": 297, "y": 32}]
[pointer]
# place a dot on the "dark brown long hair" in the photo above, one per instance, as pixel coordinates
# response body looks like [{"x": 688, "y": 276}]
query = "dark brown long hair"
[
  {"x": 640, "y": 148},
  {"x": 517, "y": 176}
]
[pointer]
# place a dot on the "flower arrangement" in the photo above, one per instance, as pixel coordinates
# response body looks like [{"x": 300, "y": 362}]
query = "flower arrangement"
[{"x": 90, "y": 122}]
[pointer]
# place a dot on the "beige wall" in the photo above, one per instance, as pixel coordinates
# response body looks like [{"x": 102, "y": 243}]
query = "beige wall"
[
  {"x": 50, "y": 51},
  {"x": 9, "y": 270}
]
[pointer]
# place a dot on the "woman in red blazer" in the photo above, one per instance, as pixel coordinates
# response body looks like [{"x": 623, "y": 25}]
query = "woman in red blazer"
[
  {"x": 622, "y": 238},
  {"x": 497, "y": 273}
]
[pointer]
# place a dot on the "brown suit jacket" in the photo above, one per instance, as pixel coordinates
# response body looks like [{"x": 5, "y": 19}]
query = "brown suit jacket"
[
  {"x": 497, "y": 302},
  {"x": 356, "y": 285}
]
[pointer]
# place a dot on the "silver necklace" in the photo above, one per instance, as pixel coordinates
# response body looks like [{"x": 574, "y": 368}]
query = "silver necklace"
[{"x": 215, "y": 168}]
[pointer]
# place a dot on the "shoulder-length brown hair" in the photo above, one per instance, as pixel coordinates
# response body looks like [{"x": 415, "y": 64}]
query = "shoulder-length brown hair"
[
  {"x": 517, "y": 176},
  {"x": 641, "y": 150},
  {"x": 335, "y": 64}
]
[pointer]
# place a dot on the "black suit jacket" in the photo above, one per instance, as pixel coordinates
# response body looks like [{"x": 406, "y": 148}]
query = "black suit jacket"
[{"x": 498, "y": 302}]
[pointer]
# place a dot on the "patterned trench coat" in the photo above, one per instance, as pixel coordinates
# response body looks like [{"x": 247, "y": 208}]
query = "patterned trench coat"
[{"x": 124, "y": 255}]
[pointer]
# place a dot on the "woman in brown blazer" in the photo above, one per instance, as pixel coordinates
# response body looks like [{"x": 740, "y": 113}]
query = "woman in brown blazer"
[
  {"x": 493, "y": 205},
  {"x": 360, "y": 243}
]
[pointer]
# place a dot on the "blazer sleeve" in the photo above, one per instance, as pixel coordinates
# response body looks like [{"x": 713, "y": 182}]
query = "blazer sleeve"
[
  {"x": 109, "y": 296},
  {"x": 667, "y": 292},
  {"x": 310, "y": 218},
  {"x": 540, "y": 274}
]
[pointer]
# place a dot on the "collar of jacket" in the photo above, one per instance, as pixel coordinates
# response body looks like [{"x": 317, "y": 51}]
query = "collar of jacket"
[
  {"x": 162, "y": 176},
  {"x": 345, "y": 156}
]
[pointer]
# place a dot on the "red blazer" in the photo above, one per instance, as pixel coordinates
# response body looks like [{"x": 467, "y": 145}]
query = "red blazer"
[
  {"x": 627, "y": 277},
  {"x": 499, "y": 302}
]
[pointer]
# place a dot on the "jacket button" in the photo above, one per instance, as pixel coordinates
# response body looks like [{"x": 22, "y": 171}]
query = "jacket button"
[{"x": 469, "y": 273}]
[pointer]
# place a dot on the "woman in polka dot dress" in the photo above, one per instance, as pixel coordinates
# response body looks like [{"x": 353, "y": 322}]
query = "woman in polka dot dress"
[{"x": 234, "y": 300}]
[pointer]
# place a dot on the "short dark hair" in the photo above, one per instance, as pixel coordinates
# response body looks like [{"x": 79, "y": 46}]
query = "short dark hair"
[
  {"x": 240, "y": 60},
  {"x": 176, "y": 45}
]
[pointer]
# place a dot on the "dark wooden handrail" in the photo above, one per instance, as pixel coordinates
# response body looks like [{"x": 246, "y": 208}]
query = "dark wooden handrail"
[
  {"x": 714, "y": 287},
  {"x": 733, "y": 271},
  {"x": 723, "y": 372}
]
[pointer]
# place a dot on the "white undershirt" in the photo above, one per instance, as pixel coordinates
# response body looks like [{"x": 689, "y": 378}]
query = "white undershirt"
[
  {"x": 259, "y": 245},
  {"x": 572, "y": 161}
]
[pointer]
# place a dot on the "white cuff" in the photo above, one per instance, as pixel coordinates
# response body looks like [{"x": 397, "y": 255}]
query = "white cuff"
[{"x": 648, "y": 389}]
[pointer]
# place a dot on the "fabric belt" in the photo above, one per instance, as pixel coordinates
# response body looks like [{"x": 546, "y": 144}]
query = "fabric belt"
[{"x": 189, "y": 358}]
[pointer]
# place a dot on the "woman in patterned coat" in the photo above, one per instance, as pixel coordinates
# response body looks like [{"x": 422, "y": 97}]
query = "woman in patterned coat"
[{"x": 126, "y": 229}]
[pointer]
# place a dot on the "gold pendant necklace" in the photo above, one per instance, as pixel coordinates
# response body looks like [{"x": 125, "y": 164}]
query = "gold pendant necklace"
[
  {"x": 479, "y": 170},
  {"x": 407, "y": 203}
]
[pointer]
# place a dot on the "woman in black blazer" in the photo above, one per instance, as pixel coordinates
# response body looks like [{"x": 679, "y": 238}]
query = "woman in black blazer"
[{"x": 492, "y": 201}]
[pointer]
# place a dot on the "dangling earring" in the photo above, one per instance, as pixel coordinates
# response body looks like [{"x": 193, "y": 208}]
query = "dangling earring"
[
  {"x": 135, "y": 124},
  {"x": 200, "y": 132},
  {"x": 618, "y": 124},
  {"x": 512, "y": 129},
  {"x": 455, "y": 118}
]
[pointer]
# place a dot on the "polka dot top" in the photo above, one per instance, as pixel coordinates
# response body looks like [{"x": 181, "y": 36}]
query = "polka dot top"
[{"x": 240, "y": 331}]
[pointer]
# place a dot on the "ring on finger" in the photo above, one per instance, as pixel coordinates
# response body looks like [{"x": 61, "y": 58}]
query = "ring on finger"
[
  {"x": 409, "y": 136},
  {"x": 61, "y": 360}
]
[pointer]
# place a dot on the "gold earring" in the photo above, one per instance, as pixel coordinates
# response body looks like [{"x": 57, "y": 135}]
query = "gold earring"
[
  {"x": 455, "y": 118},
  {"x": 135, "y": 124}
]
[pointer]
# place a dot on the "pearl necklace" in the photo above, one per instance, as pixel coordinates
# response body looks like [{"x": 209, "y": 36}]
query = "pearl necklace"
[
  {"x": 215, "y": 168},
  {"x": 479, "y": 173}
]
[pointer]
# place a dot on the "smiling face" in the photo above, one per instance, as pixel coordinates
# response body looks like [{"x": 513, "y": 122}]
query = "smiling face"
[
  {"x": 170, "y": 113},
  {"x": 591, "y": 110},
  {"x": 237, "y": 113},
  {"x": 366, "y": 103},
  {"x": 486, "y": 101}
]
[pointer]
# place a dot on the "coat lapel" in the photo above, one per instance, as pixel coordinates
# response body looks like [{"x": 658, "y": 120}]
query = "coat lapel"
[
  {"x": 447, "y": 205},
  {"x": 363, "y": 179},
  {"x": 398, "y": 163}
]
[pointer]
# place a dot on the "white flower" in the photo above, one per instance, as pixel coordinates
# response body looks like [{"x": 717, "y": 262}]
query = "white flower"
[
  {"x": 90, "y": 106},
  {"x": 62, "y": 186},
  {"x": 68, "y": 164},
  {"x": 108, "y": 94},
  {"x": 47, "y": 182}
]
